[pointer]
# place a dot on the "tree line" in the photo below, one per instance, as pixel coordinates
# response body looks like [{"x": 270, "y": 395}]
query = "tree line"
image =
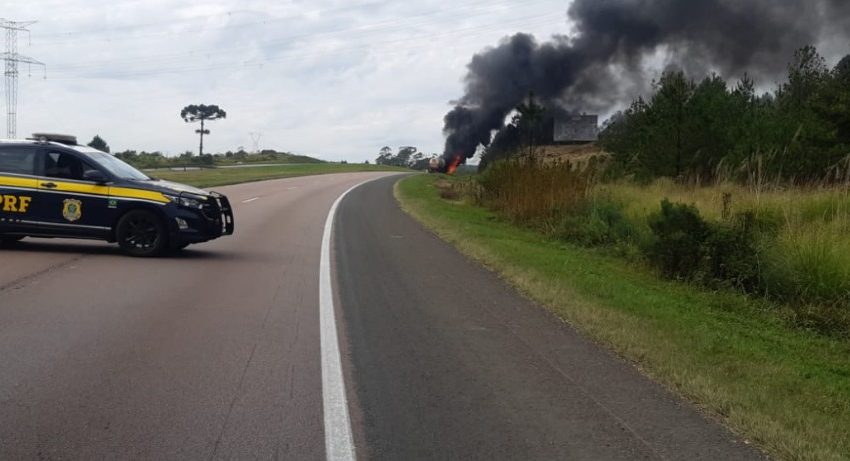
[
  {"x": 799, "y": 132},
  {"x": 407, "y": 157},
  {"x": 157, "y": 159}
]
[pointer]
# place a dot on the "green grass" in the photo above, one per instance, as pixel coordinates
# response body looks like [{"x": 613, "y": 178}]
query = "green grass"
[
  {"x": 810, "y": 262},
  {"x": 786, "y": 389},
  {"x": 211, "y": 177}
]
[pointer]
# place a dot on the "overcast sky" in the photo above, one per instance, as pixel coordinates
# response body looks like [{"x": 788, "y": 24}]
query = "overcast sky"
[{"x": 333, "y": 79}]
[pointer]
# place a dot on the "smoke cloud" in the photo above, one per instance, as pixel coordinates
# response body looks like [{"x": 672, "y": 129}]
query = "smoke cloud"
[{"x": 603, "y": 62}]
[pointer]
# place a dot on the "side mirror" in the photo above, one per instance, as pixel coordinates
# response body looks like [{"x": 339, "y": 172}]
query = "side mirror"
[{"x": 95, "y": 176}]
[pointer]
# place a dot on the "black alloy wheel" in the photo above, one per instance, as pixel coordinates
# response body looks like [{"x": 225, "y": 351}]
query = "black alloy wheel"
[{"x": 141, "y": 233}]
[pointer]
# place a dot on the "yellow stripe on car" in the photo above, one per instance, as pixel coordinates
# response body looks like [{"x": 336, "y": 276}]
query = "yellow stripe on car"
[
  {"x": 89, "y": 189},
  {"x": 125, "y": 192},
  {"x": 14, "y": 181}
]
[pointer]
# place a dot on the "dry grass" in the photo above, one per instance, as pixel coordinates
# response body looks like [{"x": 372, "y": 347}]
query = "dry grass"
[
  {"x": 571, "y": 152},
  {"x": 530, "y": 190}
]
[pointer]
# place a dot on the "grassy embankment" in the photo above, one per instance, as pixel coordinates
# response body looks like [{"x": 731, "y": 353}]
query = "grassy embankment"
[
  {"x": 807, "y": 263},
  {"x": 210, "y": 177},
  {"x": 786, "y": 388}
]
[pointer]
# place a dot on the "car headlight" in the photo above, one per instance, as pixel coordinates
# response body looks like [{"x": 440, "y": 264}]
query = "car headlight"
[{"x": 187, "y": 201}]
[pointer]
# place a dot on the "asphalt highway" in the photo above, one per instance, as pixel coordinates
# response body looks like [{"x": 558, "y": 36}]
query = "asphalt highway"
[{"x": 225, "y": 351}]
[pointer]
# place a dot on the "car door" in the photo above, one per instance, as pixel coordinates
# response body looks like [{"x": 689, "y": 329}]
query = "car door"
[
  {"x": 73, "y": 205},
  {"x": 19, "y": 202}
]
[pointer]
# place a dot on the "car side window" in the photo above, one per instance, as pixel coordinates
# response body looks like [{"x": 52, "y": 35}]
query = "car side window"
[
  {"x": 63, "y": 165},
  {"x": 17, "y": 160}
]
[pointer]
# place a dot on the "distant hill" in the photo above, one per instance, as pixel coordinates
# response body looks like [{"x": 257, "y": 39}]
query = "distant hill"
[
  {"x": 158, "y": 160},
  {"x": 266, "y": 156}
]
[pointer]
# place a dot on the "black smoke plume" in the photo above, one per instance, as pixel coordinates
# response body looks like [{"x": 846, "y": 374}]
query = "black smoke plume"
[{"x": 603, "y": 62}]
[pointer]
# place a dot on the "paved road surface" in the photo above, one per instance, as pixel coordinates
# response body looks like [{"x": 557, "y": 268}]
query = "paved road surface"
[{"x": 215, "y": 354}]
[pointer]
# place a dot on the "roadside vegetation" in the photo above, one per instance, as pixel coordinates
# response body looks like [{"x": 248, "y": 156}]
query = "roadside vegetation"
[
  {"x": 786, "y": 246},
  {"x": 210, "y": 177},
  {"x": 706, "y": 236},
  {"x": 781, "y": 386}
]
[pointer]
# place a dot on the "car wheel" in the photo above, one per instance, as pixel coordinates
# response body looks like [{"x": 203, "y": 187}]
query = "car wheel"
[{"x": 141, "y": 233}]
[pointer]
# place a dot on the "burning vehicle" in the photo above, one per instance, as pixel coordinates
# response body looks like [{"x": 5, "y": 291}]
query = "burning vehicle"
[
  {"x": 436, "y": 164},
  {"x": 441, "y": 165}
]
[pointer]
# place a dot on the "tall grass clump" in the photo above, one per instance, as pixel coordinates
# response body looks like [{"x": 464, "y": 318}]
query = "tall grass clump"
[
  {"x": 536, "y": 193},
  {"x": 811, "y": 265}
]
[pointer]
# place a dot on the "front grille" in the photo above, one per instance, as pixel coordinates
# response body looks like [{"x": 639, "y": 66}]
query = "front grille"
[
  {"x": 218, "y": 215},
  {"x": 224, "y": 214}
]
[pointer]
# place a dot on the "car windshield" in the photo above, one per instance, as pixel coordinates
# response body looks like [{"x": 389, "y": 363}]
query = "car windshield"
[{"x": 116, "y": 166}]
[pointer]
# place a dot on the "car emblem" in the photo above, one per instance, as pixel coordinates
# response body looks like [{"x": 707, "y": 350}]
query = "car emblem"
[{"x": 72, "y": 209}]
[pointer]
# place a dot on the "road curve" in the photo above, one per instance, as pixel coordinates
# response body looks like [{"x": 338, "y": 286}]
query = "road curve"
[
  {"x": 447, "y": 362},
  {"x": 212, "y": 354}
]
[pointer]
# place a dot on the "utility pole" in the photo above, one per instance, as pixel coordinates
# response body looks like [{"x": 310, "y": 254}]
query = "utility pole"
[
  {"x": 255, "y": 137},
  {"x": 12, "y": 59}
]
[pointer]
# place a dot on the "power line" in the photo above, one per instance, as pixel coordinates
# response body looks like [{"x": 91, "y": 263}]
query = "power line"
[{"x": 12, "y": 59}]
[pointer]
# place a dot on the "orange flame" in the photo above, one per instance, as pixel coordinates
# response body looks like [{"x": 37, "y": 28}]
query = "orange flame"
[{"x": 452, "y": 167}]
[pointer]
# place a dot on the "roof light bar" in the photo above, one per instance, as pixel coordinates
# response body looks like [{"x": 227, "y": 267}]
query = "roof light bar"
[{"x": 55, "y": 137}]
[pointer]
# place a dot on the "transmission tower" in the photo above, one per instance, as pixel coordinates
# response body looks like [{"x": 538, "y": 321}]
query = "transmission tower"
[
  {"x": 12, "y": 59},
  {"x": 255, "y": 137}
]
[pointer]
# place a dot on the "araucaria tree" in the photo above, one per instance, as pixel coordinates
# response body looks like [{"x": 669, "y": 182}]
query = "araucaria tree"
[{"x": 202, "y": 113}]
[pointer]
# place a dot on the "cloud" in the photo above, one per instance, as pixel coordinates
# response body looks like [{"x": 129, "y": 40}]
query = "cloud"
[{"x": 330, "y": 78}]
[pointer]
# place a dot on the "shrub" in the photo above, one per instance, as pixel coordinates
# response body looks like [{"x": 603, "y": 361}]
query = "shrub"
[
  {"x": 679, "y": 240},
  {"x": 731, "y": 254},
  {"x": 598, "y": 222},
  {"x": 534, "y": 192}
]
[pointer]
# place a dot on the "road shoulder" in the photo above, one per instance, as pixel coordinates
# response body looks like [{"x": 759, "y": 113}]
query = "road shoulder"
[{"x": 450, "y": 362}]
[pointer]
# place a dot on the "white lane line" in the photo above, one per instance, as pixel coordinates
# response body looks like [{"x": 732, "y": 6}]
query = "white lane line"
[
  {"x": 339, "y": 443},
  {"x": 250, "y": 200},
  {"x": 291, "y": 188}
]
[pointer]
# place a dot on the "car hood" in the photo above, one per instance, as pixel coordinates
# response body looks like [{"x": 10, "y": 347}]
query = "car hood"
[{"x": 174, "y": 188}]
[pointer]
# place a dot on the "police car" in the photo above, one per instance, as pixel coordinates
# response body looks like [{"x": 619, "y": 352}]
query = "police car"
[{"x": 50, "y": 186}]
